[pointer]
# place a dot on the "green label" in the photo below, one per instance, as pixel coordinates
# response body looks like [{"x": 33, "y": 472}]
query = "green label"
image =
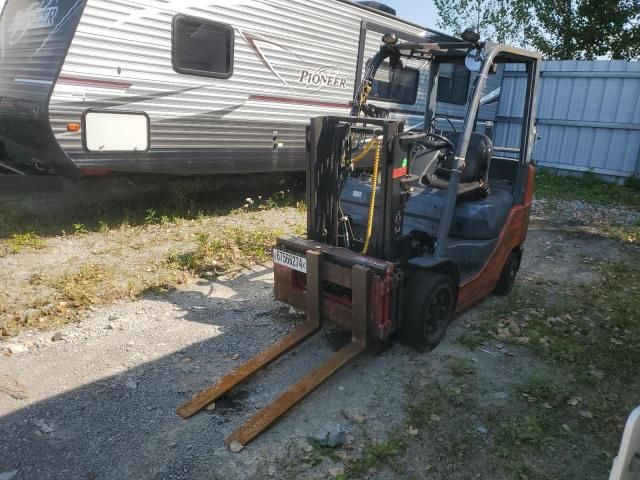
[{"x": 405, "y": 163}]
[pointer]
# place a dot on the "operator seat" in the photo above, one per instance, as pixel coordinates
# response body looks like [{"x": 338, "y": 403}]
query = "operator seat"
[{"x": 474, "y": 179}]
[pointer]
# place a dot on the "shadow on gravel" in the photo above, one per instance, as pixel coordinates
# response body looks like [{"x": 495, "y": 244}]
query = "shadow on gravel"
[{"x": 125, "y": 426}]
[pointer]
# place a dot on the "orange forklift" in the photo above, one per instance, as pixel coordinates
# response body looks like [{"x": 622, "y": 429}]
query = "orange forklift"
[{"x": 406, "y": 228}]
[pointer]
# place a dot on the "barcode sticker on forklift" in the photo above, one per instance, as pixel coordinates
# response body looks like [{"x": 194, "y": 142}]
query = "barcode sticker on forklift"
[{"x": 289, "y": 260}]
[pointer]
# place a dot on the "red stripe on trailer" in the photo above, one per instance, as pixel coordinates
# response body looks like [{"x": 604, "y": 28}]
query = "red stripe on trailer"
[
  {"x": 88, "y": 82},
  {"x": 297, "y": 101}
]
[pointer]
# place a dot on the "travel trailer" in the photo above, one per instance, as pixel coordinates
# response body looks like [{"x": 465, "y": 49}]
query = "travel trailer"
[{"x": 189, "y": 87}]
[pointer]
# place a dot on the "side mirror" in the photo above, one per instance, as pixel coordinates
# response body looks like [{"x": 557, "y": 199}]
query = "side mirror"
[{"x": 474, "y": 59}]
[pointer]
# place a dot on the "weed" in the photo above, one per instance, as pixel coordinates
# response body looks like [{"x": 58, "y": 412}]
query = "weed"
[
  {"x": 530, "y": 429},
  {"x": 460, "y": 367},
  {"x": 229, "y": 250},
  {"x": 20, "y": 241},
  {"x": 80, "y": 229},
  {"x": 376, "y": 455},
  {"x": 538, "y": 388},
  {"x": 151, "y": 217},
  {"x": 320, "y": 453},
  {"x": 471, "y": 340},
  {"x": 103, "y": 227}
]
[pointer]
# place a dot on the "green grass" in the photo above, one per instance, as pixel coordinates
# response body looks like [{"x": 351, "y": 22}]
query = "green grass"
[
  {"x": 588, "y": 188},
  {"x": 20, "y": 241}
]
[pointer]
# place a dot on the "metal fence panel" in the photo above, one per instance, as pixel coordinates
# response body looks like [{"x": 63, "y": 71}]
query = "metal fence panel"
[{"x": 588, "y": 116}]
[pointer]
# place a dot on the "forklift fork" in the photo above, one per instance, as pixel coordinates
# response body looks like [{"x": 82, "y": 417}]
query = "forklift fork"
[{"x": 361, "y": 277}]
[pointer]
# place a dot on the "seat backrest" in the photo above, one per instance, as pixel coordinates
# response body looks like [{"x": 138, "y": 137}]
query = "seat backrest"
[{"x": 478, "y": 159}]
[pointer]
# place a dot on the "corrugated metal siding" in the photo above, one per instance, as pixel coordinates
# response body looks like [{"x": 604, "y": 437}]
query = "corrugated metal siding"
[{"x": 588, "y": 116}]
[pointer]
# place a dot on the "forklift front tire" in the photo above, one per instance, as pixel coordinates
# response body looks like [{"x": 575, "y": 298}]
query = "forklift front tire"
[
  {"x": 429, "y": 299},
  {"x": 508, "y": 276}
]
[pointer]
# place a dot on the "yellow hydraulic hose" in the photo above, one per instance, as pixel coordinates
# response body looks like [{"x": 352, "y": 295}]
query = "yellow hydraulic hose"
[
  {"x": 372, "y": 203},
  {"x": 365, "y": 151}
]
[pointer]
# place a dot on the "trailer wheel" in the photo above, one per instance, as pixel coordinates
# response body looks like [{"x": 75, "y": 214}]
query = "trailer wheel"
[
  {"x": 508, "y": 276},
  {"x": 429, "y": 299}
]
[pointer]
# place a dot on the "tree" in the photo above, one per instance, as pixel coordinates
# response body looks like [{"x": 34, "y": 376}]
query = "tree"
[
  {"x": 560, "y": 29},
  {"x": 491, "y": 18}
]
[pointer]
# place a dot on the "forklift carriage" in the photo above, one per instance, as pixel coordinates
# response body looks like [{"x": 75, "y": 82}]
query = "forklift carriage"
[{"x": 405, "y": 229}]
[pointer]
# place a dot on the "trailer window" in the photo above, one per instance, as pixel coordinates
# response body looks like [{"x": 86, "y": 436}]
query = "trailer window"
[
  {"x": 453, "y": 83},
  {"x": 398, "y": 86},
  {"x": 202, "y": 47}
]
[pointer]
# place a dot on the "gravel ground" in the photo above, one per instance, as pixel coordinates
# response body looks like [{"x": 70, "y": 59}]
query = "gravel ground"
[{"x": 97, "y": 400}]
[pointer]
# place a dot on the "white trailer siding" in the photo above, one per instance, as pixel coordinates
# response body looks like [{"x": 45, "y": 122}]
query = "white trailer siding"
[{"x": 120, "y": 59}]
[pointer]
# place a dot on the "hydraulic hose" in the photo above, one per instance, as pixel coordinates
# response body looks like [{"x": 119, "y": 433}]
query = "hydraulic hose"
[
  {"x": 372, "y": 201},
  {"x": 365, "y": 151}
]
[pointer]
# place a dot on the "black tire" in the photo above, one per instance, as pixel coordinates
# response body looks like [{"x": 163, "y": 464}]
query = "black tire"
[
  {"x": 429, "y": 300},
  {"x": 508, "y": 276}
]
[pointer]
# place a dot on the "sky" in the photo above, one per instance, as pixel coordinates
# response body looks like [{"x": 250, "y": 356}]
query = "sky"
[{"x": 422, "y": 12}]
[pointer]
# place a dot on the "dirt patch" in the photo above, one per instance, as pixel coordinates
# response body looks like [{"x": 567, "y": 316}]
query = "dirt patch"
[{"x": 48, "y": 282}]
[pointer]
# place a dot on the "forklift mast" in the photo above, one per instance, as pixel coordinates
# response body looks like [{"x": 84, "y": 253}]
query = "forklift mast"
[{"x": 324, "y": 171}]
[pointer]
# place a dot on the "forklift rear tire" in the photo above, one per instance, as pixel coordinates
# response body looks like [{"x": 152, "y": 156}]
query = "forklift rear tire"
[
  {"x": 508, "y": 276},
  {"x": 429, "y": 299}
]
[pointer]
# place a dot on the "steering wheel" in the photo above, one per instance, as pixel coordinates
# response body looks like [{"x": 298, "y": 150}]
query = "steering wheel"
[
  {"x": 440, "y": 140},
  {"x": 442, "y": 117}
]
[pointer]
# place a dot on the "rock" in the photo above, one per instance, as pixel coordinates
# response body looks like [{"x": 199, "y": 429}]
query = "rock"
[
  {"x": 43, "y": 426},
  {"x": 47, "y": 428},
  {"x": 236, "y": 447},
  {"x": 483, "y": 430},
  {"x": 334, "y": 472},
  {"x": 57, "y": 337},
  {"x": 586, "y": 414},
  {"x": 336, "y": 439},
  {"x": 573, "y": 402},
  {"x": 9, "y": 475},
  {"x": 305, "y": 446},
  {"x": 16, "y": 349},
  {"x": 110, "y": 326},
  {"x": 413, "y": 431},
  {"x": 211, "y": 407},
  {"x": 271, "y": 470},
  {"x": 131, "y": 383},
  {"x": 332, "y": 438},
  {"x": 358, "y": 418},
  {"x": 342, "y": 455}
]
